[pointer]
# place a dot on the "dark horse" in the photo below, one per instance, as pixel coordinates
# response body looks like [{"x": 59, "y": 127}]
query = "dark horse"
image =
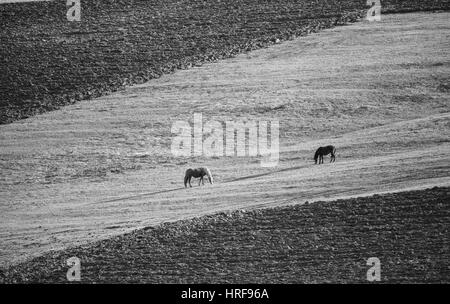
[
  {"x": 196, "y": 173},
  {"x": 325, "y": 151}
]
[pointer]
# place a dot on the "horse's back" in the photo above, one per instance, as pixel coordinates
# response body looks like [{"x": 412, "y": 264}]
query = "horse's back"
[
  {"x": 194, "y": 172},
  {"x": 198, "y": 172},
  {"x": 325, "y": 150},
  {"x": 329, "y": 148}
]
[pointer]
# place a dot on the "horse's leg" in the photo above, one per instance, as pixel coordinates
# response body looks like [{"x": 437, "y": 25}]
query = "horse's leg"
[
  {"x": 320, "y": 159},
  {"x": 200, "y": 180},
  {"x": 190, "y": 177}
]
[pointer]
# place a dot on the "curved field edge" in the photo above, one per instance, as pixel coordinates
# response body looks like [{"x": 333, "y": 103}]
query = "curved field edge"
[
  {"x": 309, "y": 243},
  {"x": 47, "y": 62}
]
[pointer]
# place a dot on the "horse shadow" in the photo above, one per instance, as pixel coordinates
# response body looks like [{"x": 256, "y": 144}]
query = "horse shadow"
[
  {"x": 142, "y": 195},
  {"x": 265, "y": 174}
]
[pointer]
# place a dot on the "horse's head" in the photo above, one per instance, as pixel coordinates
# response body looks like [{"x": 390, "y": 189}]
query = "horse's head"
[
  {"x": 316, "y": 155},
  {"x": 210, "y": 177}
]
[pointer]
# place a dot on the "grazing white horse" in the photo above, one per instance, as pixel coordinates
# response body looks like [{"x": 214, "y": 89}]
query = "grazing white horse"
[{"x": 196, "y": 173}]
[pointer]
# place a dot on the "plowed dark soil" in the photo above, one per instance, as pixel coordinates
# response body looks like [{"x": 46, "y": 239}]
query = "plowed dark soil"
[
  {"x": 47, "y": 62},
  {"x": 311, "y": 243}
]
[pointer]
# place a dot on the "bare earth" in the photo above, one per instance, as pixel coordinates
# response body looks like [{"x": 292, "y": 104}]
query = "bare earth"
[
  {"x": 324, "y": 242},
  {"x": 378, "y": 91}
]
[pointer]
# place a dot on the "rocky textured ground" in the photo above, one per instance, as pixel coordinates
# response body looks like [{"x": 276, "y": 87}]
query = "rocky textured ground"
[
  {"x": 312, "y": 243},
  {"x": 47, "y": 62}
]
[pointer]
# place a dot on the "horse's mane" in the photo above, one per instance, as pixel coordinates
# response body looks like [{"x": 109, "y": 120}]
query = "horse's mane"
[{"x": 208, "y": 172}]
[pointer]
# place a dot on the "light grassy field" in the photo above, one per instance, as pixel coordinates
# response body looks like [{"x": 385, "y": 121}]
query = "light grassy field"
[{"x": 378, "y": 91}]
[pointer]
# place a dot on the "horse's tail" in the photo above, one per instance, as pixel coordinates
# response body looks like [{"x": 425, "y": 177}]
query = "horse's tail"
[
  {"x": 210, "y": 177},
  {"x": 186, "y": 178}
]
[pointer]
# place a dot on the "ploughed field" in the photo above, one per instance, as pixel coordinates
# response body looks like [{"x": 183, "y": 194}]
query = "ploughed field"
[
  {"x": 47, "y": 62},
  {"x": 103, "y": 167},
  {"x": 311, "y": 243}
]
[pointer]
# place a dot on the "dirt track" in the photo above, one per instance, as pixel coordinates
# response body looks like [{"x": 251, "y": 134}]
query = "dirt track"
[{"x": 378, "y": 91}]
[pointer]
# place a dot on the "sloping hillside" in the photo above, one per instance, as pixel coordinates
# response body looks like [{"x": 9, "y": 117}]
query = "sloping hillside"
[{"x": 102, "y": 167}]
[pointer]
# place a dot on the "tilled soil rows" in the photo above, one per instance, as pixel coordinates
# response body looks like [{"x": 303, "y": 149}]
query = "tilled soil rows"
[
  {"x": 311, "y": 243},
  {"x": 47, "y": 62}
]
